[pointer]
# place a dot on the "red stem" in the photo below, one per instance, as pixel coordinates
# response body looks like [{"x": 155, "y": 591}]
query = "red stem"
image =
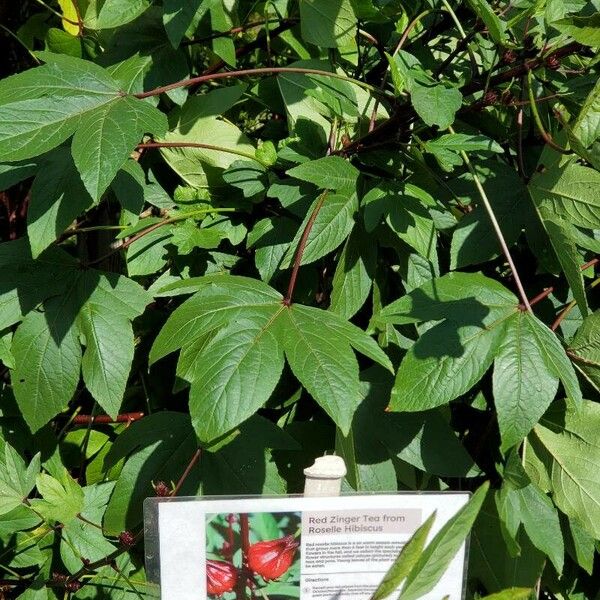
[
  {"x": 210, "y": 76},
  {"x": 287, "y": 301},
  {"x": 187, "y": 471},
  {"x": 123, "y": 418}
]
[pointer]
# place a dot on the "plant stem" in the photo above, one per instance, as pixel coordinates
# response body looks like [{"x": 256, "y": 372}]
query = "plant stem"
[
  {"x": 195, "y": 458},
  {"x": 122, "y": 418},
  {"x": 257, "y": 71},
  {"x": 154, "y": 227},
  {"x": 462, "y": 33},
  {"x": 569, "y": 307},
  {"x": 245, "y": 537},
  {"x": 538, "y": 120},
  {"x": 497, "y": 229},
  {"x": 287, "y": 301},
  {"x": 201, "y": 145}
]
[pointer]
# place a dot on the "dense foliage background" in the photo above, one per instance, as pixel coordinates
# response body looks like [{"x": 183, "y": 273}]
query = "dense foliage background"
[{"x": 239, "y": 234}]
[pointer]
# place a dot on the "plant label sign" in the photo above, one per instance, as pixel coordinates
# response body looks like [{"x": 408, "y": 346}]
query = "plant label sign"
[{"x": 291, "y": 547}]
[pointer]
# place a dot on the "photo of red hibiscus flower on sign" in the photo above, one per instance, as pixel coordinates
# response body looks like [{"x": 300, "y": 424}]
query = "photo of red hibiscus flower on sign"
[{"x": 253, "y": 555}]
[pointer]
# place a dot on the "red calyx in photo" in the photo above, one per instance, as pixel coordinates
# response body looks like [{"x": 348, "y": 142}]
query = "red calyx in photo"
[
  {"x": 271, "y": 559},
  {"x": 221, "y": 577}
]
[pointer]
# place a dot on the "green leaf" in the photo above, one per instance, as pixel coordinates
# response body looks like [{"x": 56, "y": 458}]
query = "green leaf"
[
  {"x": 234, "y": 375},
  {"x": 457, "y": 142},
  {"x": 474, "y": 240},
  {"x": 271, "y": 239},
  {"x": 540, "y": 520},
  {"x": 331, "y": 227},
  {"x": 556, "y": 359},
  {"x": 587, "y": 124},
  {"x": 411, "y": 437},
  {"x": 437, "y": 104},
  {"x": 82, "y": 99},
  {"x": 196, "y": 122},
  {"x": 584, "y": 349},
  {"x": 585, "y": 30},
  {"x": 566, "y": 448},
  {"x": 62, "y": 499},
  {"x": 245, "y": 465},
  {"x": 324, "y": 365},
  {"x": 564, "y": 246},
  {"x": 158, "y": 447},
  {"x": 148, "y": 254},
  {"x": 491, "y": 561},
  {"x": 354, "y": 275},
  {"x": 524, "y": 386},
  {"x": 105, "y": 138},
  {"x": 106, "y": 14},
  {"x": 76, "y": 87},
  {"x": 404, "y": 213},
  {"x": 331, "y": 24},
  {"x": 108, "y": 355},
  {"x": 458, "y": 297},
  {"x": 248, "y": 176},
  {"x": 58, "y": 197},
  {"x": 568, "y": 192},
  {"x": 494, "y": 24},
  {"x": 16, "y": 479},
  {"x": 47, "y": 364},
  {"x": 178, "y": 15},
  {"x": 435, "y": 559},
  {"x": 330, "y": 172},
  {"x": 218, "y": 301},
  {"x": 86, "y": 538},
  {"x": 407, "y": 559},
  {"x": 448, "y": 359}
]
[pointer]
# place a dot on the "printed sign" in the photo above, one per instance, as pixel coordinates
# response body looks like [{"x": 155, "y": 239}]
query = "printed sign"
[{"x": 291, "y": 547}]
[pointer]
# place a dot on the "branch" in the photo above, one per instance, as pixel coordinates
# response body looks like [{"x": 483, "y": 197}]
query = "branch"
[
  {"x": 154, "y": 227},
  {"x": 187, "y": 471},
  {"x": 122, "y": 418},
  {"x": 210, "y": 76},
  {"x": 538, "y": 120},
  {"x": 201, "y": 145},
  {"x": 497, "y": 229}
]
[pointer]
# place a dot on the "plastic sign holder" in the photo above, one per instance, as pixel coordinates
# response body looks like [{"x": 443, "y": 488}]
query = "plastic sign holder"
[{"x": 319, "y": 546}]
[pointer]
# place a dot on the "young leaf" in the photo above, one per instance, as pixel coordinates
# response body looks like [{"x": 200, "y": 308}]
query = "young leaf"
[
  {"x": 437, "y": 104},
  {"x": 16, "y": 479},
  {"x": 403, "y": 565},
  {"x": 434, "y": 560}
]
